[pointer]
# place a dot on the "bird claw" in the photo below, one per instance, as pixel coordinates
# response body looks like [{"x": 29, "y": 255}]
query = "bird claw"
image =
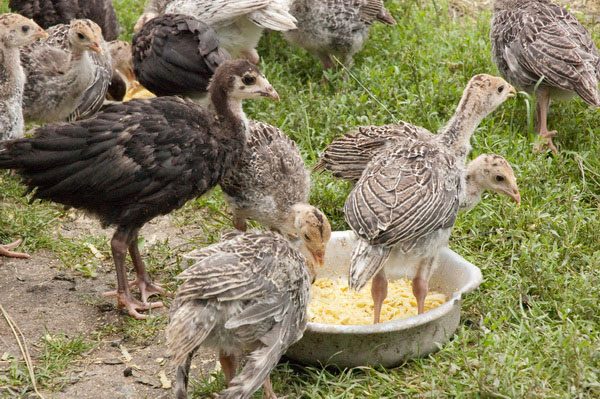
[
  {"x": 147, "y": 289},
  {"x": 5, "y": 250},
  {"x": 125, "y": 301},
  {"x": 545, "y": 142}
]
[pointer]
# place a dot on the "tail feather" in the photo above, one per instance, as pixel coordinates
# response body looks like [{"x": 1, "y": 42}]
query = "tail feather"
[{"x": 366, "y": 261}]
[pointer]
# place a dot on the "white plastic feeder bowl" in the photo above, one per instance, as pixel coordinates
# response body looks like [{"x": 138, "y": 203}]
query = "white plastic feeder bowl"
[{"x": 391, "y": 343}]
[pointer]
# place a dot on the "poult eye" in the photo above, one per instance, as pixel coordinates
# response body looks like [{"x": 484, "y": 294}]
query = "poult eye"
[
  {"x": 25, "y": 28},
  {"x": 306, "y": 237},
  {"x": 499, "y": 178},
  {"x": 248, "y": 80},
  {"x": 500, "y": 89},
  {"x": 81, "y": 36}
]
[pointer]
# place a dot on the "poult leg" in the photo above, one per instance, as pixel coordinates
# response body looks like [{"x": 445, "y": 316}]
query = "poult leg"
[
  {"x": 268, "y": 392},
  {"x": 379, "y": 291},
  {"x": 182, "y": 377},
  {"x": 119, "y": 244},
  {"x": 229, "y": 365},
  {"x": 5, "y": 250},
  {"x": 239, "y": 222},
  {"x": 420, "y": 286},
  {"x": 143, "y": 281},
  {"x": 543, "y": 104}
]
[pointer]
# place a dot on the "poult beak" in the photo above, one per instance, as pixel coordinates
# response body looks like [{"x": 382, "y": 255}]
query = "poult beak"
[
  {"x": 41, "y": 34},
  {"x": 516, "y": 196},
  {"x": 319, "y": 258},
  {"x": 95, "y": 47},
  {"x": 271, "y": 93},
  {"x": 512, "y": 92}
]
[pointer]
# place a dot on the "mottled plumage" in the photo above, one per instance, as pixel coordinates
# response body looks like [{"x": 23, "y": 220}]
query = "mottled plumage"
[
  {"x": 407, "y": 198},
  {"x": 176, "y": 54},
  {"x": 532, "y": 39},
  {"x": 245, "y": 294},
  {"x": 337, "y": 28},
  {"x": 48, "y": 13},
  {"x": 269, "y": 179},
  {"x": 238, "y": 23},
  {"x": 67, "y": 74},
  {"x": 139, "y": 159},
  {"x": 15, "y": 31}
]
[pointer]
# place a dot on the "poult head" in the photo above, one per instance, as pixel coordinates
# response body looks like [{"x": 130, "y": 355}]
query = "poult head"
[
  {"x": 85, "y": 34},
  {"x": 493, "y": 172},
  {"x": 484, "y": 93},
  {"x": 18, "y": 31},
  {"x": 314, "y": 230},
  {"x": 122, "y": 60},
  {"x": 241, "y": 80}
]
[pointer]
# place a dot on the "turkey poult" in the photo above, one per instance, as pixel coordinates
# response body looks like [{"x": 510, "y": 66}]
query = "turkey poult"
[
  {"x": 48, "y": 13},
  {"x": 271, "y": 185},
  {"x": 535, "y": 39},
  {"x": 238, "y": 23},
  {"x": 176, "y": 54},
  {"x": 123, "y": 76},
  {"x": 140, "y": 159},
  {"x": 15, "y": 31},
  {"x": 339, "y": 28},
  {"x": 247, "y": 294},
  {"x": 407, "y": 198},
  {"x": 67, "y": 74}
]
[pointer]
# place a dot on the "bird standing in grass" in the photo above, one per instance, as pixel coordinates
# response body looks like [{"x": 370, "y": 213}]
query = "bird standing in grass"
[
  {"x": 238, "y": 23},
  {"x": 16, "y": 31},
  {"x": 538, "y": 41},
  {"x": 67, "y": 74},
  {"x": 328, "y": 28},
  {"x": 271, "y": 185},
  {"x": 176, "y": 54},
  {"x": 247, "y": 294},
  {"x": 140, "y": 159},
  {"x": 407, "y": 198}
]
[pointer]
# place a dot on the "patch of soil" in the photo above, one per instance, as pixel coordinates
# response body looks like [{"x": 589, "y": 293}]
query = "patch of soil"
[{"x": 43, "y": 299}]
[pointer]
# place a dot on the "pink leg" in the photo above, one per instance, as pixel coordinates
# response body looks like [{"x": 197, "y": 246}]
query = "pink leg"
[
  {"x": 420, "y": 287},
  {"x": 543, "y": 104},
  {"x": 379, "y": 291},
  {"x": 146, "y": 286},
  {"x": 268, "y": 392},
  {"x": 5, "y": 250},
  {"x": 119, "y": 244}
]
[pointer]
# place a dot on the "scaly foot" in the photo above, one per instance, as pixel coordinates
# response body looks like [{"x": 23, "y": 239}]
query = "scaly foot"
[
  {"x": 5, "y": 250},
  {"x": 545, "y": 142},
  {"x": 124, "y": 300},
  {"x": 147, "y": 289}
]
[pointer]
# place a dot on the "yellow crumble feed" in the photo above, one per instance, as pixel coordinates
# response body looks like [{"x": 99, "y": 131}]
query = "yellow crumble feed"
[{"x": 332, "y": 302}]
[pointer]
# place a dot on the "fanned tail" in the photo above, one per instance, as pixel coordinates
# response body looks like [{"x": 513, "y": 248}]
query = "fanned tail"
[{"x": 366, "y": 261}]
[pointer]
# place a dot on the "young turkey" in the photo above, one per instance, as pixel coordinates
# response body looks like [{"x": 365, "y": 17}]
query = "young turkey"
[
  {"x": 407, "y": 198},
  {"x": 238, "y": 23},
  {"x": 123, "y": 76},
  {"x": 15, "y": 31},
  {"x": 339, "y": 28},
  {"x": 140, "y": 159},
  {"x": 176, "y": 54},
  {"x": 535, "y": 39},
  {"x": 67, "y": 74},
  {"x": 270, "y": 184},
  {"x": 48, "y": 13},
  {"x": 246, "y": 295}
]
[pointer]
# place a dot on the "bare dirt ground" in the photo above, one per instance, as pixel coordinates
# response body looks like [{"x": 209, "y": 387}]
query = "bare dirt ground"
[{"x": 45, "y": 300}]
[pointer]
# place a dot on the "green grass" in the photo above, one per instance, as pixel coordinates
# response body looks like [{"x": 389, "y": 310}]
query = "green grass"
[{"x": 532, "y": 329}]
